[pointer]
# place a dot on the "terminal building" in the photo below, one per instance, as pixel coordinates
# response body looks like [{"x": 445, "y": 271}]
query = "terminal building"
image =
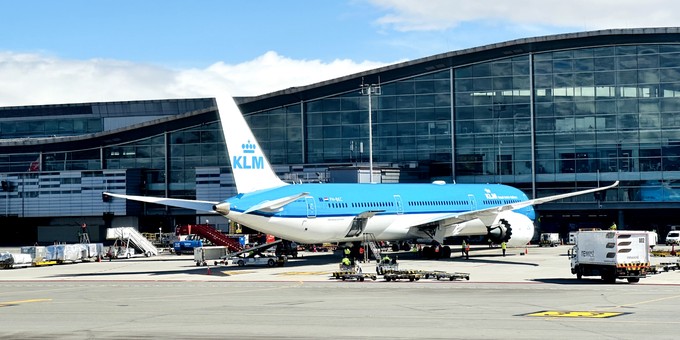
[{"x": 548, "y": 115}]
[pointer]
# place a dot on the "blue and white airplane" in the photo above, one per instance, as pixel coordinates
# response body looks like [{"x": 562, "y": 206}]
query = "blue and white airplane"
[{"x": 317, "y": 213}]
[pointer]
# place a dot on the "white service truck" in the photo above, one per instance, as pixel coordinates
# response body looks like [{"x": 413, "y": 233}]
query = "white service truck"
[
  {"x": 611, "y": 254},
  {"x": 549, "y": 240}
]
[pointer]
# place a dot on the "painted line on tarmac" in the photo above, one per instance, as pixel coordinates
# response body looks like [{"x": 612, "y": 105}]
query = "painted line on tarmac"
[
  {"x": 237, "y": 272},
  {"x": 650, "y": 301},
  {"x": 304, "y": 273},
  {"x": 575, "y": 314},
  {"x": 14, "y": 303}
]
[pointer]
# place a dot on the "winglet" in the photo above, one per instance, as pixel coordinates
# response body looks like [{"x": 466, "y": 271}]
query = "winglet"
[{"x": 250, "y": 167}]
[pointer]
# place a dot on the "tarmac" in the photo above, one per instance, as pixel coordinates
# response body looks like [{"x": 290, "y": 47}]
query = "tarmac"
[
  {"x": 530, "y": 264},
  {"x": 528, "y": 294}
]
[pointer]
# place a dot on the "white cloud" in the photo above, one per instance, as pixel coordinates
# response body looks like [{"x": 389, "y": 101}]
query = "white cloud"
[
  {"x": 35, "y": 79},
  {"x": 408, "y": 15}
]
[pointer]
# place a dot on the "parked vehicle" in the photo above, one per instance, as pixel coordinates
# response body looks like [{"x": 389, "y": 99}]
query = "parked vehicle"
[
  {"x": 611, "y": 255},
  {"x": 549, "y": 240},
  {"x": 673, "y": 238}
]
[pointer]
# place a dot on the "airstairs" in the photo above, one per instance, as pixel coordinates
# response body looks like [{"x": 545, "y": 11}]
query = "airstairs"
[
  {"x": 370, "y": 241},
  {"x": 211, "y": 234},
  {"x": 130, "y": 235}
]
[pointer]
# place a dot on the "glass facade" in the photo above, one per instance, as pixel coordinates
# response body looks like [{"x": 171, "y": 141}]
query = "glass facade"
[
  {"x": 546, "y": 122},
  {"x": 164, "y": 160},
  {"x": 554, "y": 115}
]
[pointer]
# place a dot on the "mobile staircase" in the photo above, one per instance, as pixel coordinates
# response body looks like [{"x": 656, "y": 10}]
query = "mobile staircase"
[
  {"x": 211, "y": 234},
  {"x": 128, "y": 235},
  {"x": 372, "y": 243}
]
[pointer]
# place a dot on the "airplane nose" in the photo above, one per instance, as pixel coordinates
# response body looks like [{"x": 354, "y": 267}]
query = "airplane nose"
[{"x": 222, "y": 208}]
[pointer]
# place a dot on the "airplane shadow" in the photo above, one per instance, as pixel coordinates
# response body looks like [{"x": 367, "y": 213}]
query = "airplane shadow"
[
  {"x": 220, "y": 270},
  {"x": 475, "y": 259},
  {"x": 574, "y": 281}
]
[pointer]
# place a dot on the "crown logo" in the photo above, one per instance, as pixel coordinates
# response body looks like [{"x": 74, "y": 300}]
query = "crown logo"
[{"x": 248, "y": 147}]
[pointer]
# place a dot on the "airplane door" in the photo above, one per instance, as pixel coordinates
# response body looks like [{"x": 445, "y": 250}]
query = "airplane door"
[
  {"x": 398, "y": 204},
  {"x": 311, "y": 207},
  {"x": 472, "y": 202}
]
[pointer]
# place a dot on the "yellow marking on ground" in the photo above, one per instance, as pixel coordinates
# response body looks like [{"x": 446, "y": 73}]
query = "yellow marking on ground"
[
  {"x": 11, "y": 303},
  {"x": 649, "y": 301},
  {"x": 237, "y": 272},
  {"x": 304, "y": 273},
  {"x": 575, "y": 314}
]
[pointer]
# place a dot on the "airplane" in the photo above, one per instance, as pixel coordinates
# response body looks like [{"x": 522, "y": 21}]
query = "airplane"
[{"x": 332, "y": 212}]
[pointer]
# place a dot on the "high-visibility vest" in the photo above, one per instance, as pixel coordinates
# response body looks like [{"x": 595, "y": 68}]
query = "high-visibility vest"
[{"x": 347, "y": 251}]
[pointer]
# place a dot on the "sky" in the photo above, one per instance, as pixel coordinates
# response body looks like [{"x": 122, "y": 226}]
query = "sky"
[{"x": 75, "y": 51}]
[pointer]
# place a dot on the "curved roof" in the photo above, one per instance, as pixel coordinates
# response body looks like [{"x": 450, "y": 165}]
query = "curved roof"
[
  {"x": 112, "y": 137},
  {"x": 459, "y": 58}
]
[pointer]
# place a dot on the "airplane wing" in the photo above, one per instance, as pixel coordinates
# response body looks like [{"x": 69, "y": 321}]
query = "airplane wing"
[
  {"x": 275, "y": 205},
  {"x": 173, "y": 202},
  {"x": 488, "y": 215}
]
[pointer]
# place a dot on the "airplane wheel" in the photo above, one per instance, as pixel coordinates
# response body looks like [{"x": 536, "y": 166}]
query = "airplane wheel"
[{"x": 446, "y": 252}]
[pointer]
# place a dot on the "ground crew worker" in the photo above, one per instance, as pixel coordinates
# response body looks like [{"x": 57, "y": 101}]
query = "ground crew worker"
[
  {"x": 346, "y": 262},
  {"x": 462, "y": 248},
  {"x": 386, "y": 259},
  {"x": 613, "y": 226},
  {"x": 347, "y": 252},
  {"x": 503, "y": 247},
  {"x": 467, "y": 251},
  {"x": 361, "y": 253}
]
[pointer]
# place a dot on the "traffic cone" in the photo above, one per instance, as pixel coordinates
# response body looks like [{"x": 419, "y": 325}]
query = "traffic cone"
[
  {"x": 208, "y": 273},
  {"x": 526, "y": 251}
]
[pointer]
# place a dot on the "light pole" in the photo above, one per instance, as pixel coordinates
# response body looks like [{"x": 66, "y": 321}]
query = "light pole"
[
  {"x": 500, "y": 161},
  {"x": 370, "y": 89}
]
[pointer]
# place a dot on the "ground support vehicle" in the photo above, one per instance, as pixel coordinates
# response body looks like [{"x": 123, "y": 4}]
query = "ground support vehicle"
[
  {"x": 120, "y": 251},
  {"x": 549, "y": 240},
  {"x": 353, "y": 272},
  {"x": 255, "y": 255},
  {"x": 270, "y": 261},
  {"x": 128, "y": 237},
  {"x": 187, "y": 246},
  {"x": 383, "y": 267},
  {"x": 663, "y": 267},
  {"x": 210, "y": 253},
  {"x": 357, "y": 276},
  {"x": 396, "y": 275},
  {"x": 11, "y": 260},
  {"x": 673, "y": 238},
  {"x": 664, "y": 264},
  {"x": 611, "y": 254},
  {"x": 439, "y": 275}
]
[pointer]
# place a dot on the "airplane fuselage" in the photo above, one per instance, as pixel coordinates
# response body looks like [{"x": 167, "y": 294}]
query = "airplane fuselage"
[{"x": 327, "y": 212}]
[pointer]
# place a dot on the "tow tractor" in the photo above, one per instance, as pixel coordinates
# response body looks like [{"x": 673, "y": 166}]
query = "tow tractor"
[
  {"x": 384, "y": 266},
  {"x": 353, "y": 272}
]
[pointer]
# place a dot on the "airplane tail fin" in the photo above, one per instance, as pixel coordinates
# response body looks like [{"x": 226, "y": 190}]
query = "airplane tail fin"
[{"x": 250, "y": 167}]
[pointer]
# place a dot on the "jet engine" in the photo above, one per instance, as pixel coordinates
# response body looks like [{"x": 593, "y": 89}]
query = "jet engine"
[
  {"x": 222, "y": 208},
  {"x": 516, "y": 230}
]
